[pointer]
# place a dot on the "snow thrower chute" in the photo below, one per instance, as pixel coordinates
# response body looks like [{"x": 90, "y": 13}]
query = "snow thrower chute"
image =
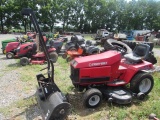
[{"x": 51, "y": 100}]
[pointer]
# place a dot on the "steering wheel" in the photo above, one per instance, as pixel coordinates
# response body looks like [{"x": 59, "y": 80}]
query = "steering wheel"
[{"x": 120, "y": 49}]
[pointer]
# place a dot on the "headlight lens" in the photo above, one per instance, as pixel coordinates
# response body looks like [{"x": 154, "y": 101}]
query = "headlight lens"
[{"x": 74, "y": 63}]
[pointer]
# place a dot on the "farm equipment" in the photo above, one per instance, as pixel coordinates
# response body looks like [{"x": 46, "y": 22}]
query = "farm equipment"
[
  {"x": 143, "y": 37},
  {"x": 5, "y": 42},
  {"x": 101, "y": 33},
  {"x": 72, "y": 44},
  {"x": 11, "y": 47},
  {"x": 107, "y": 74},
  {"x": 80, "y": 48},
  {"x": 17, "y": 39},
  {"x": 50, "y": 98},
  {"x": 28, "y": 53}
]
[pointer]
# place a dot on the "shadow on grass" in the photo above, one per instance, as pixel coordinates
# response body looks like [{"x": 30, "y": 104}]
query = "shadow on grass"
[
  {"x": 76, "y": 100},
  {"x": 14, "y": 65},
  {"x": 30, "y": 112}
]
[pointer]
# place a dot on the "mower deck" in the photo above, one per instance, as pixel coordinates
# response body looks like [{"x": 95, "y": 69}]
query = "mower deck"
[{"x": 117, "y": 95}]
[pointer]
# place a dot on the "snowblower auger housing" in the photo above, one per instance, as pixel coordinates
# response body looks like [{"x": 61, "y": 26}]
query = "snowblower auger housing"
[{"x": 50, "y": 99}]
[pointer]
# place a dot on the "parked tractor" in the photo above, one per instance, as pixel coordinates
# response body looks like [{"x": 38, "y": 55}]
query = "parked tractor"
[
  {"x": 79, "y": 47},
  {"x": 107, "y": 74}
]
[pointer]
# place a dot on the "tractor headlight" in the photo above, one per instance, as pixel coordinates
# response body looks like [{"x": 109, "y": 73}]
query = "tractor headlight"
[
  {"x": 18, "y": 49},
  {"x": 74, "y": 63}
]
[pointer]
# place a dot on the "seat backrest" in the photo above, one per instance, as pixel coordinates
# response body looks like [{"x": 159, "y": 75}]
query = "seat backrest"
[
  {"x": 141, "y": 50},
  {"x": 34, "y": 48}
]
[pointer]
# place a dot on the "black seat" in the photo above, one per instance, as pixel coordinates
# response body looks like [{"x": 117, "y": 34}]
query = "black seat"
[{"x": 139, "y": 53}]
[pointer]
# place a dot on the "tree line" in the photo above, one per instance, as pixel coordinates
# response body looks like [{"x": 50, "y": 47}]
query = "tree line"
[{"x": 82, "y": 15}]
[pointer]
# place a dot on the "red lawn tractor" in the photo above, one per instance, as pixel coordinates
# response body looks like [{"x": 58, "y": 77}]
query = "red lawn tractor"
[
  {"x": 107, "y": 74},
  {"x": 11, "y": 48},
  {"x": 28, "y": 53}
]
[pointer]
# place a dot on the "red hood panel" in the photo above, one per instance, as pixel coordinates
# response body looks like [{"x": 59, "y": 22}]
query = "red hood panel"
[{"x": 103, "y": 59}]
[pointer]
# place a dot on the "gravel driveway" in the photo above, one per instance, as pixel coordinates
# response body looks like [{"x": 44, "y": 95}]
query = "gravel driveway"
[{"x": 11, "y": 86}]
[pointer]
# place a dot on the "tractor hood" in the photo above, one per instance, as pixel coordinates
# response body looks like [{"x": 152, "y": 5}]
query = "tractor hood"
[
  {"x": 103, "y": 59},
  {"x": 9, "y": 40}
]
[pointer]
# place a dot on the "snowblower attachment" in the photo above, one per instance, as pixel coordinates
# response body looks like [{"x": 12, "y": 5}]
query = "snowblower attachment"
[{"x": 52, "y": 102}]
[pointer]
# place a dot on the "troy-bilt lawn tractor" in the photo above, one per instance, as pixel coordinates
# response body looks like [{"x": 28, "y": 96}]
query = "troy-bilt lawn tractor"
[
  {"x": 51, "y": 100},
  {"x": 81, "y": 48},
  {"x": 11, "y": 47},
  {"x": 28, "y": 54},
  {"x": 107, "y": 74}
]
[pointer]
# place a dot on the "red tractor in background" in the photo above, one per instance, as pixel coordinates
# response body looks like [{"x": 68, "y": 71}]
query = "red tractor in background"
[
  {"x": 107, "y": 74},
  {"x": 11, "y": 47},
  {"x": 28, "y": 54}
]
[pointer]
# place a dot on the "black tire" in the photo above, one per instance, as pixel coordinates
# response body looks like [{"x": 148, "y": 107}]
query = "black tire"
[
  {"x": 53, "y": 56},
  {"x": 64, "y": 56},
  {"x": 9, "y": 55},
  {"x": 151, "y": 58},
  {"x": 68, "y": 59},
  {"x": 92, "y": 98},
  {"x": 24, "y": 61},
  {"x": 139, "y": 79},
  {"x": 112, "y": 44}
]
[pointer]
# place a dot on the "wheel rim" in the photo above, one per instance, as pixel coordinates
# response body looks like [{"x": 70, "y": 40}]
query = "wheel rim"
[
  {"x": 145, "y": 85},
  {"x": 9, "y": 55},
  {"x": 25, "y": 62},
  {"x": 94, "y": 100}
]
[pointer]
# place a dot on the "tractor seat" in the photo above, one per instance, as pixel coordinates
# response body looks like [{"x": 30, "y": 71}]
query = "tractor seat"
[
  {"x": 34, "y": 48},
  {"x": 139, "y": 53}
]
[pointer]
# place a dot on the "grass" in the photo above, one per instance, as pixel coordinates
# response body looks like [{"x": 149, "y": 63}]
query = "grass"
[
  {"x": 157, "y": 46},
  {"x": 137, "y": 110}
]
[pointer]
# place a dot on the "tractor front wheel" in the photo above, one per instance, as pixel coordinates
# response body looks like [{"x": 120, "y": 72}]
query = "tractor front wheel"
[
  {"x": 24, "y": 61},
  {"x": 9, "y": 55},
  {"x": 142, "y": 83},
  {"x": 53, "y": 56},
  {"x": 4, "y": 51},
  {"x": 92, "y": 98}
]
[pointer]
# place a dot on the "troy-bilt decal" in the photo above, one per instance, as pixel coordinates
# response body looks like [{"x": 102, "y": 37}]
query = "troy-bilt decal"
[{"x": 97, "y": 64}]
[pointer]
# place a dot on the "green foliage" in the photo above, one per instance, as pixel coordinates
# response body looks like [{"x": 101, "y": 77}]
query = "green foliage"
[{"x": 83, "y": 15}]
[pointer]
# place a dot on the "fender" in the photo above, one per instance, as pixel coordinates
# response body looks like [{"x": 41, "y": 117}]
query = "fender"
[
  {"x": 92, "y": 49},
  {"x": 69, "y": 45},
  {"x": 51, "y": 49}
]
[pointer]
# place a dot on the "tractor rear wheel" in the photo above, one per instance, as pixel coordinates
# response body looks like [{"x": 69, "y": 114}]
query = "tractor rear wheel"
[
  {"x": 92, "y": 98},
  {"x": 53, "y": 56},
  {"x": 9, "y": 55},
  {"x": 142, "y": 83},
  {"x": 24, "y": 61}
]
